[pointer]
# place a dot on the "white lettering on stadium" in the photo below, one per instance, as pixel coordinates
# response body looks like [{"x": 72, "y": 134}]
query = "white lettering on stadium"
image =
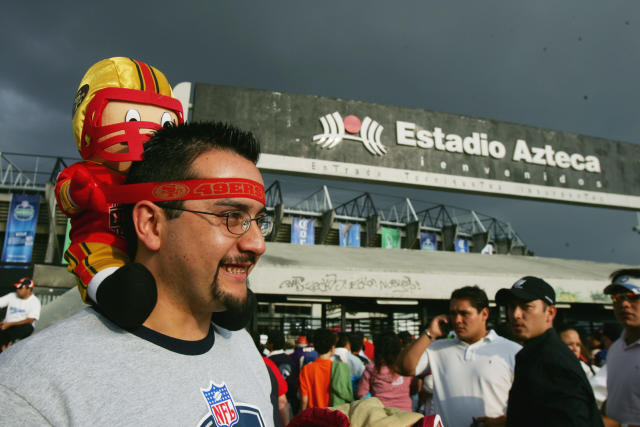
[
  {"x": 521, "y": 175},
  {"x": 478, "y": 144}
]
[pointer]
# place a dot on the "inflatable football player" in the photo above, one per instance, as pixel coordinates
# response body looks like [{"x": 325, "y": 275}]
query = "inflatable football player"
[{"x": 120, "y": 102}]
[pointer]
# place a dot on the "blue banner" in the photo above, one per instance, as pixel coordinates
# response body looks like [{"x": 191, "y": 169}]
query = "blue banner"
[
  {"x": 21, "y": 228},
  {"x": 303, "y": 231},
  {"x": 462, "y": 245},
  {"x": 349, "y": 234},
  {"x": 428, "y": 241}
]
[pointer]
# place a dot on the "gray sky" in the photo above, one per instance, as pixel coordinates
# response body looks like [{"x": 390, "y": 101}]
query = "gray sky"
[{"x": 570, "y": 66}]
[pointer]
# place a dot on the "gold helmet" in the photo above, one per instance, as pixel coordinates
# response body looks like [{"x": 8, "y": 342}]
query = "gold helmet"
[{"x": 118, "y": 79}]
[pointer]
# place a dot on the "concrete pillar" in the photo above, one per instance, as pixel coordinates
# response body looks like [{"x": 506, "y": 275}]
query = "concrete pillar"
[
  {"x": 503, "y": 246},
  {"x": 278, "y": 217},
  {"x": 449, "y": 234},
  {"x": 373, "y": 228},
  {"x": 53, "y": 253},
  {"x": 519, "y": 250},
  {"x": 479, "y": 241},
  {"x": 412, "y": 235},
  {"x": 323, "y": 318},
  {"x": 328, "y": 218}
]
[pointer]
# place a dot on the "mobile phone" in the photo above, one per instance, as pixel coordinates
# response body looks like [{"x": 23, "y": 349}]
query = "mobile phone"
[{"x": 445, "y": 327}]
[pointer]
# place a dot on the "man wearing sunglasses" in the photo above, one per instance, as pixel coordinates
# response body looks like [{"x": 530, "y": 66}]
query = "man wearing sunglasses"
[
  {"x": 195, "y": 220},
  {"x": 623, "y": 357}
]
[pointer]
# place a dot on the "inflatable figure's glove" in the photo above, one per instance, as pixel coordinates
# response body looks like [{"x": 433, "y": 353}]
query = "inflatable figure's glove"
[
  {"x": 84, "y": 191},
  {"x": 128, "y": 296},
  {"x": 236, "y": 320}
]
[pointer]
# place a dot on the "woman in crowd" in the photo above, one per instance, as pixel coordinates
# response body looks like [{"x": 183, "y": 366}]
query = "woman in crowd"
[
  {"x": 380, "y": 378},
  {"x": 571, "y": 338}
]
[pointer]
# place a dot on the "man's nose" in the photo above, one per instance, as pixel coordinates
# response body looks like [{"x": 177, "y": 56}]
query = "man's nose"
[
  {"x": 252, "y": 240},
  {"x": 516, "y": 312},
  {"x": 624, "y": 303}
]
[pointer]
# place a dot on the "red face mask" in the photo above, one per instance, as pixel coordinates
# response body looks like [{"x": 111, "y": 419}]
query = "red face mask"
[{"x": 135, "y": 140}]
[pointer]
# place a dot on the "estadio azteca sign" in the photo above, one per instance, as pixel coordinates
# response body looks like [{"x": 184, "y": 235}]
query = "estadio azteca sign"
[{"x": 373, "y": 142}]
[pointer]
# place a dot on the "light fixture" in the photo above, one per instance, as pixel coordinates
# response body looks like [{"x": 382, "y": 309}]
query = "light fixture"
[
  {"x": 397, "y": 301},
  {"x": 308, "y": 299}
]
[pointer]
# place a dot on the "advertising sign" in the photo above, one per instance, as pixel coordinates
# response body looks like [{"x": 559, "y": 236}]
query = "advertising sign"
[
  {"x": 462, "y": 245},
  {"x": 391, "y": 237},
  {"x": 428, "y": 241},
  {"x": 371, "y": 142},
  {"x": 349, "y": 234},
  {"x": 21, "y": 228},
  {"x": 303, "y": 231}
]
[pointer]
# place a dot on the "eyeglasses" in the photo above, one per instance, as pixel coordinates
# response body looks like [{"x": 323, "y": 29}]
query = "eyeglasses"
[
  {"x": 625, "y": 296},
  {"x": 238, "y": 222}
]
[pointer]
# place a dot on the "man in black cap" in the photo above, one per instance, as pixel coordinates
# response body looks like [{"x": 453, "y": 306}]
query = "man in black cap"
[{"x": 549, "y": 386}]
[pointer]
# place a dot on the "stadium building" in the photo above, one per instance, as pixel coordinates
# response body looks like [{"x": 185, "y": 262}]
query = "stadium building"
[{"x": 363, "y": 260}]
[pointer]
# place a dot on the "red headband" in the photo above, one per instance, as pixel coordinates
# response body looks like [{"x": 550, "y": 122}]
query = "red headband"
[{"x": 193, "y": 189}]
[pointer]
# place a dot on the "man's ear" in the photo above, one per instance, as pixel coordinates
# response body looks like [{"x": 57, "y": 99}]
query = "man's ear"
[
  {"x": 484, "y": 313},
  {"x": 148, "y": 219},
  {"x": 552, "y": 311}
]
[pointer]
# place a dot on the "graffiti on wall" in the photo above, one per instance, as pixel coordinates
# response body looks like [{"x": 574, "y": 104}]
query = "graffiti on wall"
[{"x": 330, "y": 283}]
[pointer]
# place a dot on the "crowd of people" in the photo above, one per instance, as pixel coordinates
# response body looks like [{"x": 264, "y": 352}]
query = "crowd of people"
[
  {"x": 192, "y": 361},
  {"x": 168, "y": 221},
  {"x": 470, "y": 375}
]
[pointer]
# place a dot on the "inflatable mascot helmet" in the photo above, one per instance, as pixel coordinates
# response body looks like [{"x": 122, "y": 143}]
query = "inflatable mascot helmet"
[{"x": 126, "y": 80}]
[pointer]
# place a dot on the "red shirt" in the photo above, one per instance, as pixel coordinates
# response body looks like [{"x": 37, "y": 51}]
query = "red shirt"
[{"x": 282, "y": 383}]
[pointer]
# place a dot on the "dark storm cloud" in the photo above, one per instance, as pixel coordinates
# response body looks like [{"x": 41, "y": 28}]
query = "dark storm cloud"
[{"x": 569, "y": 66}]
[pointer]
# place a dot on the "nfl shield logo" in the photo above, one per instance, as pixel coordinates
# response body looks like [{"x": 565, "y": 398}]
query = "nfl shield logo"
[{"x": 221, "y": 405}]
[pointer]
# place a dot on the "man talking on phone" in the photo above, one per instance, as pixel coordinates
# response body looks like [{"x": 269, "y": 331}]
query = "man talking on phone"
[{"x": 472, "y": 372}]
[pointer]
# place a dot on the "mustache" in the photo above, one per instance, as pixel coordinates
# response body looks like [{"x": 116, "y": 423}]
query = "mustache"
[{"x": 240, "y": 259}]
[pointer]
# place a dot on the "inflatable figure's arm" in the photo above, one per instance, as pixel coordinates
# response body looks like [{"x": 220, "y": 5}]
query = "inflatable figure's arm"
[{"x": 77, "y": 191}]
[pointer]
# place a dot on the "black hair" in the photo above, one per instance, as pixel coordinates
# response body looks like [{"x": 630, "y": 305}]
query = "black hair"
[
  {"x": 357, "y": 341},
  {"x": 169, "y": 156},
  {"x": 343, "y": 339},
  {"x": 323, "y": 340},
  {"x": 405, "y": 338},
  {"x": 388, "y": 346},
  {"x": 276, "y": 338},
  {"x": 476, "y": 296}
]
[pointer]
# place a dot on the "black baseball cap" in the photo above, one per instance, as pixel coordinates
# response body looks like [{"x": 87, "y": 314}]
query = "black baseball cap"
[{"x": 528, "y": 288}]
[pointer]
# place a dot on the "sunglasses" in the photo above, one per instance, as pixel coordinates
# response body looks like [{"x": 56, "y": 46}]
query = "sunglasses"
[{"x": 625, "y": 296}]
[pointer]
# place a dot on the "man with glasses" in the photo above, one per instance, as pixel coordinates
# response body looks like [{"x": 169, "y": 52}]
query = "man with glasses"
[
  {"x": 195, "y": 221},
  {"x": 623, "y": 357}
]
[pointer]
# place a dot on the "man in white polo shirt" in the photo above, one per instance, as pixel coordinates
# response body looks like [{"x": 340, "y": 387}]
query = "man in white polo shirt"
[
  {"x": 473, "y": 372},
  {"x": 623, "y": 357},
  {"x": 23, "y": 309}
]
